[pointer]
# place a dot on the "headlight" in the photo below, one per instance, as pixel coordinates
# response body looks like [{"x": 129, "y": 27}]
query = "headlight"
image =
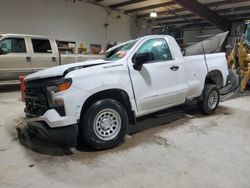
[{"x": 62, "y": 86}]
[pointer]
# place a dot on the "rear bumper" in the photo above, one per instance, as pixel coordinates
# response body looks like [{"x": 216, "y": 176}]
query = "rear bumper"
[{"x": 66, "y": 135}]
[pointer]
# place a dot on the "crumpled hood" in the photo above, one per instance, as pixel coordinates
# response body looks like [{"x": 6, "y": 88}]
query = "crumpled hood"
[{"x": 63, "y": 69}]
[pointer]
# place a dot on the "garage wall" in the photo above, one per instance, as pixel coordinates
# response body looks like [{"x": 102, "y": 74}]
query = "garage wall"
[
  {"x": 65, "y": 20},
  {"x": 140, "y": 28}
]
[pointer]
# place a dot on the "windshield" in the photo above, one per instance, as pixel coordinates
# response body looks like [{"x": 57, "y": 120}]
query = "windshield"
[
  {"x": 247, "y": 34},
  {"x": 120, "y": 51}
]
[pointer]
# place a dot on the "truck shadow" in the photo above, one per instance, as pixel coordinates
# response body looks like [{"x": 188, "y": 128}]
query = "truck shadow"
[{"x": 166, "y": 119}]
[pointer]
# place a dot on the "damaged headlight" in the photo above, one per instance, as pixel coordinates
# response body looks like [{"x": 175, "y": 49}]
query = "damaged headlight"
[
  {"x": 55, "y": 86},
  {"x": 58, "y": 87}
]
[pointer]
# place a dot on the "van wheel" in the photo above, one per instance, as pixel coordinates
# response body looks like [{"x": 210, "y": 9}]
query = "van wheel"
[
  {"x": 210, "y": 101},
  {"x": 104, "y": 125}
]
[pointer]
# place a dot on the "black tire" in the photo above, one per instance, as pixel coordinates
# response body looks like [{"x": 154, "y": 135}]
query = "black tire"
[
  {"x": 233, "y": 83},
  {"x": 205, "y": 104},
  {"x": 91, "y": 123}
]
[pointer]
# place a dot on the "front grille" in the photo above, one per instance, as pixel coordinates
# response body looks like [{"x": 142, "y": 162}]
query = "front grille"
[{"x": 35, "y": 99}]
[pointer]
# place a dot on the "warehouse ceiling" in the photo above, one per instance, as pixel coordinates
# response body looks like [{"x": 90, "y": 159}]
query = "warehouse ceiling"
[{"x": 184, "y": 13}]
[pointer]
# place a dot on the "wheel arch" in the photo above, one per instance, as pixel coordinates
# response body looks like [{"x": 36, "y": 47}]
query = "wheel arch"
[
  {"x": 214, "y": 77},
  {"x": 116, "y": 94}
]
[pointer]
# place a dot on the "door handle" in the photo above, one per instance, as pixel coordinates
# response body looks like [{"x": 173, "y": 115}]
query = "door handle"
[
  {"x": 174, "y": 68},
  {"x": 53, "y": 59},
  {"x": 28, "y": 59}
]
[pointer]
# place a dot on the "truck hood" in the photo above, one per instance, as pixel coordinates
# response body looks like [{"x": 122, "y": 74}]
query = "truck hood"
[{"x": 63, "y": 69}]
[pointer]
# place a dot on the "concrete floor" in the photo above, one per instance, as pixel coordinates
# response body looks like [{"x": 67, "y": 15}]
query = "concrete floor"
[{"x": 183, "y": 149}]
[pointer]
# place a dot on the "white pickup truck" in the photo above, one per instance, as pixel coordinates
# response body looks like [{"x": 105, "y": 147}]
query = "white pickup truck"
[
  {"x": 25, "y": 54},
  {"x": 94, "y": 101}
]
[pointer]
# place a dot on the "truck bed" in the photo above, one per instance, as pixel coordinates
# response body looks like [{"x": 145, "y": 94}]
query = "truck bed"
[
  {"x": 199, "y": 65},
  {"x": 210, "y": 60}
]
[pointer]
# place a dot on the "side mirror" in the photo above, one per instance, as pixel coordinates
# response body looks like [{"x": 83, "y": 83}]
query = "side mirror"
[
  {"x": 140, "y": 59},
  {"x": 2, "y": 46},
  {"x": 1, "y": 51}
]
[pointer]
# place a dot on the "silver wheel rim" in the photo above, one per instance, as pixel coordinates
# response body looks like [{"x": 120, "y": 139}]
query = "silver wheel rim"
[
  {"x": 212, "y": 100},
  {"x": 107, "y": 124}
]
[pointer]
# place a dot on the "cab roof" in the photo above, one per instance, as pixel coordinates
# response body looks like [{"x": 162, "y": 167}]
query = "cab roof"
[{"x": 23, "y": 35}]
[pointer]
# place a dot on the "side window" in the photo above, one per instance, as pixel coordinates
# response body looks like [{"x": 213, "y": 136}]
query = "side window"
[
  {"x": 41, "y": 46},
  {"x": 158, "y": 49},
  {"x": 13, "y": 45}
]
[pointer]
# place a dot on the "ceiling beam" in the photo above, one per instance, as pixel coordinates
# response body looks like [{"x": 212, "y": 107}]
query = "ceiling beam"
[
  {"x": 173, "y": 17},
  {"x": 204, "y": 12},
  {"x": 180, "y": 22},
  {"x": 230, "y": 17},
  {"x": 125, "y": 3},
  {"x": 196, "y": 25},
  {"x": 240, "y": 16},
  {"x": 192, "y": 15},
  {"x": 165, "y": 12},
  {"x": 150, "y": 7},
  {"x": 204, "y": 24},
  {"x": 224, "y": 2},
  {"x": 210, "y": 5}
]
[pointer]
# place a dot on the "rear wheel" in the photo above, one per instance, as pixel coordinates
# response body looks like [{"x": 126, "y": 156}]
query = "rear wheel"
[
  {"x": 104, "y": 125},
  {"x": 210, "y": 99}
]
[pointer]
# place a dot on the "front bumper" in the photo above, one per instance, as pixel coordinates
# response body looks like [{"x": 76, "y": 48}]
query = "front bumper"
[
  {"x": 53, "y": 119},
  {"x": 66, "y": 135}
]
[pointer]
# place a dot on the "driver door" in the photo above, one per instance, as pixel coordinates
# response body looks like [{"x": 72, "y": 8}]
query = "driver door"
[{"x": 158, "y": 84}]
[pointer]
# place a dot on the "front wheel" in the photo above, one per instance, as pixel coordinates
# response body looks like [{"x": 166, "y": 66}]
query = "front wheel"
[
  {"x": 210, "y": 99},
  {"x": 104, "y": 125}
]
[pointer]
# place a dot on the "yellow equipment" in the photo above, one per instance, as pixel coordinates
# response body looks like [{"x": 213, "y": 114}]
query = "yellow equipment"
[{"x": 239, "y": 58}]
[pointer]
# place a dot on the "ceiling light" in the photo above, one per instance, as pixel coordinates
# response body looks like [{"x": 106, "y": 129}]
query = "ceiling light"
[{"x": 153, "y": 14}]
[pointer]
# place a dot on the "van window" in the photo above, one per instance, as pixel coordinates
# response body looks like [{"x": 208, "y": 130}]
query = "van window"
[
  {"x": 41, "y": 46},
  {"x": 13, "y": 45}
]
